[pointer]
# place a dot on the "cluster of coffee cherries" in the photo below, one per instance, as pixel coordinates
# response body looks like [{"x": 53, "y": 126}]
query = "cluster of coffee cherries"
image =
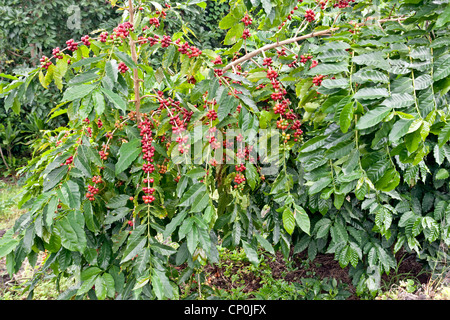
[
  {"x": 342, "y": 3},
  {"x": 317, "y": 80},
  {"x": 68, "y": 161},
  {"x": 57, "y": 53},
  {"x": 86, "y": 40},
  {"x": 239, "y": 179},
  {"x": 310, "y": 16},
  {"x": 45, "y": 62},
  {"x": 72, "y": 45},
  {"x": 247, "y": 20},
  {"x": 148, "y": 197},
  {"x": 185, "y": 48},
  {"x": 123, "y": 29},
  {"x": 211, "y": 114},
  {"x": 122, "y": 67},
  {"x": 93, "y": 189},
  {"x": 217, "y": 60},
  {"x": 148, "y": 151},
  {"x": 246, "y": 34}
]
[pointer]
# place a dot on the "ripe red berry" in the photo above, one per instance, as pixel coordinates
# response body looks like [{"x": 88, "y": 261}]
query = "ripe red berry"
[
  {"x": 310, "y": 15},
  {"x": 72, "y": 45},
  {"x": 85, "y": 40},
  {"x": 122, "y": 67},
  {"x": 246, "y": 34},
  {"x": 317, "y": 80}
]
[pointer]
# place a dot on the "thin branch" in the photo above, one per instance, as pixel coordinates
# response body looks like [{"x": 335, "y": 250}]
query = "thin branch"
[
  {"x": 270, "y": 46},
  {"x": 1, "y": 154},
  {"x": 275, "y": 45},
  {"x": 136, "y": 80}
]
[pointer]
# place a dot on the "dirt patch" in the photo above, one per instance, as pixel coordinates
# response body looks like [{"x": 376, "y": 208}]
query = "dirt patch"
[{"x": 323, "y": 267}]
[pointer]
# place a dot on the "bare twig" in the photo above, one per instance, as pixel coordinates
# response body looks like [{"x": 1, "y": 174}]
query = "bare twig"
[
  {"x": 270, "y": 46},
  {"x": 3, "y": 158},
  {"x": 275, "y": 45},
  {"x": 136, "y": 80}
]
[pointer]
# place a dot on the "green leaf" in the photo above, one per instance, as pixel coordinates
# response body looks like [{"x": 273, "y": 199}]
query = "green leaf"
[
  {"x": 87, "y": 285},
  {"x": 444, "y": 135},
  {"x": 81, "y": 161},
  {"x": 412, "y": 141},
  {"x": 443, "y": 18},
  {"x": 100, "y": 288},
  {"x": 373, "y": 117},
  {"x": 399, "y": 100},
  {"x": 442, "y": 174},
  {"x": 335, "y": 83},
  {"x": 234, "y": 34},
  {"x": 441, "y": 67},
  {"x": 228, "y": 21},
  {"x": 89, "y": 273},
  {"x": 322, "y": 228},
  {"x": 8, "y": 243},
  {"x": 54, "y": 177},
  {"x": 126, "y": 59},
  {"x": 71, "y": 230},
  {"x": 371, "y": 93},
  {"x": 86, "y": 61},
  {"x": 85, "y": 77},
  {"x": 328, "y": 68},
  {"x": 49, "y": 211},
  {"x": 302, "y": 219},
  {"x": 333, "y": 55},
  {"x": 346, "y": 116},
  {"x": 319, "y": 185},
  {"x": 423, "y": 82},
  {"x": 69, "y": 194},
  {"x": 226, "y": 104},
  {"x": 282, "y": 183},
  {"x": 128, "y": 152},
  {"x": 288, "y": 220},
  {"x": 191, "y": 195},
  {"x": 135, "y": 243},
  {"x": 251, "y": 253},
  {"x": 108, "y": 280},
  {"x": 111, "y": 74},
  {"x": 373, "y": 59},
  {"x": 400, "y": 128},
  {"x": 369, "y": 75},
  {"x": 251, "y": 175},
  {"x": 117, "y": 100},
  {"x": 264, "y": 243},
  {"x": 118, "y": 201},
  {"x": 88, "y": 213},
  {"x": 200, "y": 202},
  {"x": 78, "y": 92},
  {"x": 174, "y": 223}
]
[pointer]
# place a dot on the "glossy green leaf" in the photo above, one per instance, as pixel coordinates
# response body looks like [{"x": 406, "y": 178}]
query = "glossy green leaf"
[
  {"x": 128, "y": 153},
  {"x": 372, "y": 118}
]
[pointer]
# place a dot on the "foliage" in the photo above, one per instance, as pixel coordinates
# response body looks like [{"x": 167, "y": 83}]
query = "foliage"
[
  {"x": 340, "y": 122},
  {"x": 27, "y": 30}
]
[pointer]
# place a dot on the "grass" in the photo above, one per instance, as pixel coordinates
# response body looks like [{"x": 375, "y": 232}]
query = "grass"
[{"x": 9, "y": 212}]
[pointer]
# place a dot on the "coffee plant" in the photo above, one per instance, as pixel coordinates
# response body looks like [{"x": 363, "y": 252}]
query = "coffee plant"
[{"x": 317, "y": 126}]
